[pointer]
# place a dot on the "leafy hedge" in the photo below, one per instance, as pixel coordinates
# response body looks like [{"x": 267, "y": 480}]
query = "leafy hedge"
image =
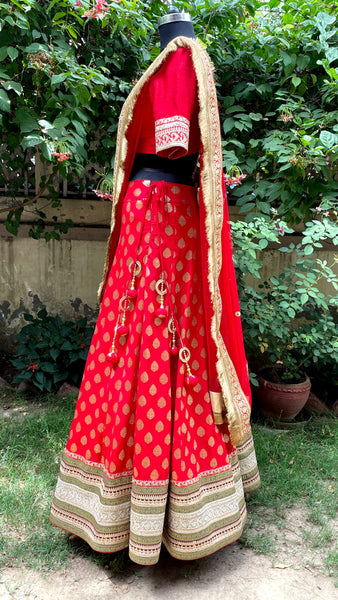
[{"x": 64, "y": 77}]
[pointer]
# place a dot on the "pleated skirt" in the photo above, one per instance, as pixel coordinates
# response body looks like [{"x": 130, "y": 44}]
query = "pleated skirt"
[{"x": 144, "y": 463}]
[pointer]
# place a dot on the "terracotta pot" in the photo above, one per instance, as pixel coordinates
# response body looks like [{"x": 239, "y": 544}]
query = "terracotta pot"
[{"x": 282, "y": 401}]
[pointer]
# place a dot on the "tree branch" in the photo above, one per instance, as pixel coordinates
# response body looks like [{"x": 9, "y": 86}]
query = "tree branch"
[{"x": 49, "y": 180}]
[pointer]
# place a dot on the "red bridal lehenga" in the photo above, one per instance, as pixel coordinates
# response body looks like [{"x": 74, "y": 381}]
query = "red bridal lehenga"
[{"x": 149, "y": 460}]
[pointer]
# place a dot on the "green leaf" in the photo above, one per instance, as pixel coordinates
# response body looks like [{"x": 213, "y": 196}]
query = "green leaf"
[
  {"x": 13, "y": 53},
  {"x": 302, "y": 61},
  {"x": 83, "y": 95},
  {"x": 3, "y": 52},
  {"x": 5, "y": 103},
  {"x": 48, "y": 367},
  {"x": 304, "y": 298},
  {"x": 263, "y": 244},
  {"x": 58, "y": 78},
  {"x": 13, "y": 85},
  {"x": 285, "y": 167},
  {"x": 60, "y": 123},
  {"x": 28, "y": 317},
  {"x": 287, "y": 18},
  {"x": 308, "y": 249},
  {"x": 264, "y": 207},
  {"x": 291, "y": 312},
  {"x": 296, "y": 81},
  {"x": 40, "y": 377},
  {"x": 51, "y": 4},
  {"x": 31, "y": 140},
  {"x": 289, "y": 62},
  {"x": 36, "y": 47},
  {"x": 235, "y": 108},
  {"x": 66, "y": 345},
  {"x": 45, "y": 125},
  {"x": 331, "y": 54},
  {"x": 58, "y": 16},
  {"x": 255, "y": 116},
  {"x": 25, "y": 120},
  {"x": 54, "y": 352},
  {"x": 46, "y": 149},
  {"x": 72, "y": 31},
  {"x": 306, "y": 140},
  {"x": 228, "y": 124},
  {"x": 230, "y": 159},
  {"x": 328, "y": 139}
]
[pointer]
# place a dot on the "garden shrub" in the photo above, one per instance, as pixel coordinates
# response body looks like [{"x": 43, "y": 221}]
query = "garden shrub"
[
  {"x": 287, "y": 319},
  {"x": 65, "y": 75},
  {"x": 51, "y": 351}
]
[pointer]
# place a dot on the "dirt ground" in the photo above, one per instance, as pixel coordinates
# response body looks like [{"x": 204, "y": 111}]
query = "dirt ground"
[
  {"x": 295, "y": 571},
  {"x": 233, "y": 573}
]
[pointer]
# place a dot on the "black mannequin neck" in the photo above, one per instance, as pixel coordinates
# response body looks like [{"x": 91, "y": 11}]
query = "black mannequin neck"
[{"x": 169, "y": 31}]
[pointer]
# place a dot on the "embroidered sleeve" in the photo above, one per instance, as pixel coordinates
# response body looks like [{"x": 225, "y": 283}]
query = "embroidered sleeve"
[
  {"x": 173, "y": 92},
  {"x": 172, "y": 132}
]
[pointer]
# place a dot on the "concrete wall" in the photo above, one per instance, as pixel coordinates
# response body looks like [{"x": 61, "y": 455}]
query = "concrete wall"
[{"x": 63, "y": 276}]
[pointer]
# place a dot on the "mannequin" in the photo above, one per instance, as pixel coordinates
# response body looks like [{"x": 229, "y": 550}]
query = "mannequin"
[
  {"x": 150, "y": 166},
  {"x": 173, "y": 25},
  {"x": 160, "y": 448}
]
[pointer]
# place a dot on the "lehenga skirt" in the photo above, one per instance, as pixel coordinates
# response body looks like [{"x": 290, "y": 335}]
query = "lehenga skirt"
[{"x": 144, "y": 462}]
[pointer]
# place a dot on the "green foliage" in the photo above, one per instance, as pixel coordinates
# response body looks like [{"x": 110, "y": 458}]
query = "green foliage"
[
  {"x": 51, "y": 351},
  {"x": 298, "y": 471},
  {"x": 64, "y": 78},
  {"x": 284, "y": 110},
  {"x": 30, "y": 451},
  {"x": 288, "y": 318}
]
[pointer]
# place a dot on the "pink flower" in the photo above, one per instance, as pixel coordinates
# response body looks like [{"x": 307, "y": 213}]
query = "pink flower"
[
  {"x": 78, "y": 3},
  {"x": 234, "y": 180},
  {"x": 280, "y": 230},
  {"x": 286, "y": 118},
  {"x": 62, "y": 156},
  {"x": 100, "y": 8},
  {"x": 103, "y": 195}
]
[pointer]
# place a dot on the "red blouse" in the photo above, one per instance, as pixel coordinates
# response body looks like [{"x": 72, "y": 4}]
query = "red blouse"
[{"x": 170, "y": 109}]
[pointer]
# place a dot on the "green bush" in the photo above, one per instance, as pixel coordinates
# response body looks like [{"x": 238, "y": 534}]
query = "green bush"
[
  {"x": 64, "y": 77},
  {"x": 287, "y": 320},
  {"x": 51, "y": 351}
]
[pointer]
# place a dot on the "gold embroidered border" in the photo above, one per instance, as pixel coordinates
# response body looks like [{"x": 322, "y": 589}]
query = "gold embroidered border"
[
  {"x": 110, "y": 514},
  {"x": 172, "y": 132}
]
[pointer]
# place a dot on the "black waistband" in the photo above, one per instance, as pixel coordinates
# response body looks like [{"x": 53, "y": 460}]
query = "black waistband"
[{"x": 155, "y": 168}]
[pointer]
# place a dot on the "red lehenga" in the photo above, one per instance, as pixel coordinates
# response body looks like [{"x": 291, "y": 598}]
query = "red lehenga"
[{"x": 160, "y": 448}]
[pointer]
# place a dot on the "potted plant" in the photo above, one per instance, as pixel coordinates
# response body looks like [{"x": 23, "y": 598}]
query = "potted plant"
[{"x": 288, "y": 321}]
